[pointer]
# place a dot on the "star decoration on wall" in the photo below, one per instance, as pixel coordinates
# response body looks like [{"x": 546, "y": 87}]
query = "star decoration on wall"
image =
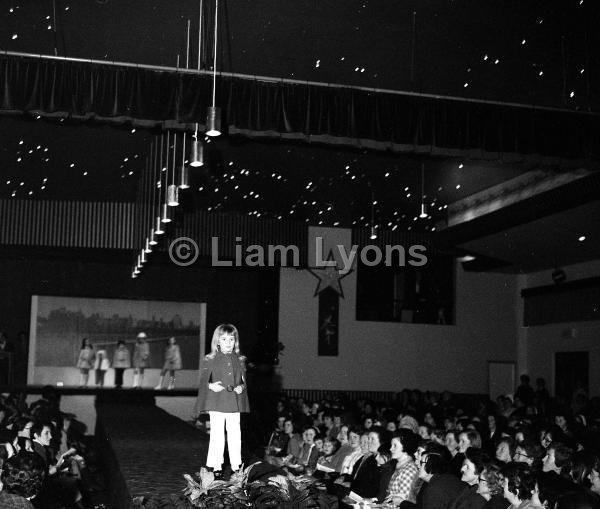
[{"x": 329, "y": 277}]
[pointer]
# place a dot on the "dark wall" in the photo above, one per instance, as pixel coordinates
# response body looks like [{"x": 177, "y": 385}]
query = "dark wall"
[{"x": 234, "y": 295}]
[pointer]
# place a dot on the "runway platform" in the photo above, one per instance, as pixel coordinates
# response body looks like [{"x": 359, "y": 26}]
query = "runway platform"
[{"x": 147, "y": 450}]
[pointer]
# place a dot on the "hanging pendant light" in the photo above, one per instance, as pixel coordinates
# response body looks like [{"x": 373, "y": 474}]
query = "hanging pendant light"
[
  {"x": 165, "y": 207},
  {"x": 143, "y": 258},
  {"x": 373, "y": 235},
  {"x": 184, "y": 174},
  {"x": 165, "y": 214},
  {"x": 152, "y": 191},
  {"x": 139, "y": 263},
  {"x": 158, "y": 228},
  {"x": 134, "y": 274},
  {"x": 173, "y": 196},
  {"x": 147, "y": 247},
  {"x": 423, "y": 213},
  {"x": 152, "y": 241},
  {"x": 213, "y": 121},
  {"x": 173, "y": 190},
  {"x": 197, "y": 156},
  {"x": 213, "y": 113}
]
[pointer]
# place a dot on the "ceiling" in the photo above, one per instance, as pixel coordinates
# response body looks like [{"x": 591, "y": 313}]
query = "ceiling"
[
  {"x": 549, "y": 242},
  {"x": 475, "y": 50}
]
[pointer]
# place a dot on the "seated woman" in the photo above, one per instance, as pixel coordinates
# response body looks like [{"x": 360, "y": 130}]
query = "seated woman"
[
  {"x": 491, "y": 486},
  {"x": 403, "y": 482},
  {"x": 452, "y": 438},
  {"x": 354, "y": 449},
  {"x": 366, "y": 476},
  {"x": 594, "y": 475},
  {"x": 505, "y": 450},
  {"x": 529, "y": 453},
  {"x": 341, "y": 485},
  {"x": 306, "y": 460},
  {"x": 278, "y": 440},
  {"x": 472, "y": 467},
  {"x": 518, "y": 485},
  {"x": 545, "y": 493},
  {"x": 337, "y": 462},
  {"x": 293, "y": 445},
  {"x": 327, "y": 461}
]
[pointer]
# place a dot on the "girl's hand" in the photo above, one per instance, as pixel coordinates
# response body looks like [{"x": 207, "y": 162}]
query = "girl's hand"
[
  {"x": 216, "y": 387},
  {"x": 239, "y": 389}
]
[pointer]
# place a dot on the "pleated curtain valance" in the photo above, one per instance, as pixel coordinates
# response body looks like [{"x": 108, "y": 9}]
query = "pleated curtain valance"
[{"x": 337, "y": 115}]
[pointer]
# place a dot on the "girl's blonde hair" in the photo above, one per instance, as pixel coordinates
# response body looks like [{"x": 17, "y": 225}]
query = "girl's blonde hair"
[{"x": 224, "y": 328}]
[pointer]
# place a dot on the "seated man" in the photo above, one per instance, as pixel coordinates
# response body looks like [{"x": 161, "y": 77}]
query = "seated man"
[
  {"x": 58, "y": 487},
  {"x": 21, "y": 480},
  {"x": 41, "y": 434}
]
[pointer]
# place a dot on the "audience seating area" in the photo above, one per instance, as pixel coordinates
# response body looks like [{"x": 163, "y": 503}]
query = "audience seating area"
[
  {"x": 434, "y": 450},
  {"x": 47, "y": 460},
  {"x": 407, "y": 449}
]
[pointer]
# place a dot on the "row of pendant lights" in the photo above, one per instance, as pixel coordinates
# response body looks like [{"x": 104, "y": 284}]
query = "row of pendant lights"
[
  {"x": 163, "y": 193},
  {"x": 163, "y": 201}
]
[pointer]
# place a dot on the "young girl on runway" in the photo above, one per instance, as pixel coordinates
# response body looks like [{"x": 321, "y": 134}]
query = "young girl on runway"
[{"x": 223, "y": 394}]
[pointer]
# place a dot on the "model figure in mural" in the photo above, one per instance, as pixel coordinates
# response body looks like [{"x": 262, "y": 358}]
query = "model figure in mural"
[
  {"x": 85, "y": 362},
  {"x": 121, "y": 362},
  {"x": 141, "y": 359},
  {"x": 172, "y": 364},
  {"x": 101, "y": 366},
  {"x": 223, "y": 394}
]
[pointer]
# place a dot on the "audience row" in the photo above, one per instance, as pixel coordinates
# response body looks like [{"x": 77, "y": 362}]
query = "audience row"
[{"x": 424, "y": 450}]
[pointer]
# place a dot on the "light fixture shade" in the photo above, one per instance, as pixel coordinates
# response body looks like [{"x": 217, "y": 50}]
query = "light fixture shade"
[
  {"x": 134, "y": 274},
  {"x": 147, "y": 247},
  {"x": 373, "y": 233},
  {"x": 152, "y": 241},
  {"x": 423, "y": 213},
  {"x": 165, "y": 214},
  {"x": 136, "y": 271},
  {"x": 213, "y": 121},
  {"x": 197, "y": 155},
  {"x": 184, "y": 180},
  {"x": 172, "y": 196},
  {"x": 158, "y": 230},
  {"x": 143, "y": 257}
]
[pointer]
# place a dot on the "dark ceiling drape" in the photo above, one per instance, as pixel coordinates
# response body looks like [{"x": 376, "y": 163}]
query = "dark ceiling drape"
[{"x": 332, "y": 115}]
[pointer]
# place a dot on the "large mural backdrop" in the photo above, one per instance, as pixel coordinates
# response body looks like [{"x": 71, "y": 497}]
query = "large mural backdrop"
[{"x": 59, "y": 325}]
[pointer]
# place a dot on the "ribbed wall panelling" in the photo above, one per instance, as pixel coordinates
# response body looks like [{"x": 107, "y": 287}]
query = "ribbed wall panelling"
[
  {"x": 113, "y": 226},
  {"x": 66, "y": 224},
  {"x": 317, "y": 395}
]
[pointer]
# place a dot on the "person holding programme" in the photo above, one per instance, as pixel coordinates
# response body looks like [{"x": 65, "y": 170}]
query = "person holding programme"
[
  {"x": 223, "y": 394},
  {"x": 141, "y": 359},
  {"x": 85, "y": 362},
  {"x": 121, "y": 361},
  {"x": 172, "y": 364}
]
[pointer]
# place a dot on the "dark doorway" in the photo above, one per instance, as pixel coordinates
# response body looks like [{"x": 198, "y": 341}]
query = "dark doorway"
[{"x": 571, "y": 373}]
